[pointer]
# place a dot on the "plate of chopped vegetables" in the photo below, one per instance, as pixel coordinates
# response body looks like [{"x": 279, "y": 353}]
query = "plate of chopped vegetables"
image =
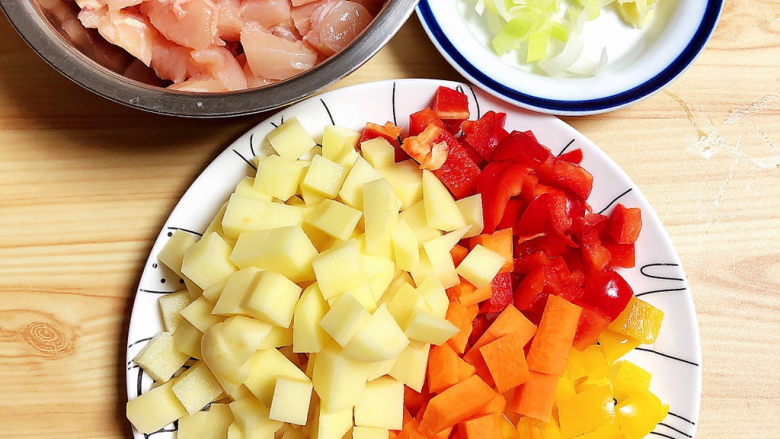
[
  {"x": 413, "y": 259},
  {"x": 570, "y": 57}
]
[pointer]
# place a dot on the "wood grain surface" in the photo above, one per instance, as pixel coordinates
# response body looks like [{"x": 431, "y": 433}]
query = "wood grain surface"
[{"x": 85, "y": 185}]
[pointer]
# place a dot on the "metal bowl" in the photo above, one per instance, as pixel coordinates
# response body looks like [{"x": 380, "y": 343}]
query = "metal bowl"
[{"x": 50, "y": 27}]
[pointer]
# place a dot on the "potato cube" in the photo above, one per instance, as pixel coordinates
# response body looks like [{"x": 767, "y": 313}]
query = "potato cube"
[
  {"x": 244, "y": 336},
  {"x": 246, "y": 214},
  {"x": 234, "y": 432},
  {"x": 279, "y": 177},
  {"x": 278, "y": 337},
  {"x": 379, "y": 152},
  {"x": 196, "y": 387},
  {"x": 273, "y": 299},
  {"x": 321, "y": 240},
  {"x": 170, "y": 306},
  {"x": 154, "y": 409},
  {"x": 198, "y": 313},
  {"x": 406, "y": 179},
  {"x": 312, "y": 198},
  {"x": 193, "y": 290},
  {"x": 363, "y": 293},
  {"x": 173, "y": 252},
  {"x": 246, "y": 188},
  {"x": 471, "y": 210},
  {"x": 379, "y": 368},
  {"x": 308, "y": 336},
  {"x": 361, "y": 173},
  {"x": 338, "y": 381},
  {"x": 425, "y": 269},
  {"x": 293, "y": 433},
  {"x": 186, "y": 339},
  {"x": 345, "y": 318},
  {"x": 210, "y": 424},
  {"x": 381, "y": 272},
  {"x": 331, "y": 425},
  {"x": 380, "y": 211},
  {"x": 404, "y": 302},
  {"x": 291, "y": 400},
  {"x": 370, "y": 433},
  {"x": 219, "y": 356},
  {"x": 159, "y": 359},
  {"x": 406, "y": 249},
  {"x": 440, "y": 209},
  {"x": 415, "y": 217},
  {"x": 290, "y": 139},
  {"x": 235, "y": 287},
  {"x": 401, "y": 278},
  {"x": 264, "y": 368},
  {"x": 410, "y": 366},
  {"x": 207, "y": 261},
  {"x": 286, "y": 250},
  {"x": 251, "y": 417},
  {"x": 382, "y": 405},
  {"x": 480, "y": 266},
  {"x": 324, "y": 177},
  {"x": 425, "y": 327},
  {"x": 338, "y": 143},
  {"x": 339, "y": 269},
  {"x": 214, "y": 290},
  {"x": 437, "y": 251},
  {"x": 335, "y": 219},
  {"x": 435, "y": 296},
  {"x": 379, "y": 339}
]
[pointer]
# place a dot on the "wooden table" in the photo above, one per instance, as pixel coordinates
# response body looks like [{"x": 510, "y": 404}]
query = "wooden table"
[{"x": 86, "y": 184}]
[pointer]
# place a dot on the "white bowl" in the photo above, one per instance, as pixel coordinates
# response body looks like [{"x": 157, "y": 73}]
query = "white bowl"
[{"x": 641, "y": 61}]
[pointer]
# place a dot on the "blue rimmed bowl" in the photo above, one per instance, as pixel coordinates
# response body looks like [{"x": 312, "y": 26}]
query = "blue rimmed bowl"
[{"x": 641, "y": 61}]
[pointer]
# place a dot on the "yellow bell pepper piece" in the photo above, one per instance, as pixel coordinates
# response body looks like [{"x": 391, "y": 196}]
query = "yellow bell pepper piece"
[
  {"x": 583, "y": 363},
  {"x": 639, "y": 320},
  {"x": 565, "y": 389},
  {"x": 609, "y": 431},
  {"x": 508, "y": 430},
  {"x": 530, "y": 428},
  {"x": 587, "y": 411},
  {"x": 639, "y": 413},
  {"x": 616, "y": 345},
  {"x": 592, "y": 382},
  {"x": 628, "y": 379}
]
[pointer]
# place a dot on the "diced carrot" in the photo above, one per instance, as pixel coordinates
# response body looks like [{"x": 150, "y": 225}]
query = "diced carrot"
[
  {"x": 444, "y": 434},
  {"x": 510, "y": 320},
  {"x": 442, "y": 368},
  {"x": 414, "y": 400},
  {"x": 461, "y": 316},
  {"x": 411, "y": 430},
  {"x": 407, "y": 416},
  {"x": 485, "y": 427},
  {"x": 496, "y": 405},
  {"x": 553, "y": 340},
  {"x": 505, "y": 358},
  {"x": 465, "y": 370},
  {"x": 467, "y": 294},
  {"x": 500, "y": 242},
  {"x": 458, "y": 253},
  {"x": 536, "y": 397},
  {"x": 393, "y": 434},
  {"x": 456, "y": 404}
]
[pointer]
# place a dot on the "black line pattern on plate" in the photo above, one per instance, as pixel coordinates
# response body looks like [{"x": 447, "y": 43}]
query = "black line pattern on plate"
[
  {"x": 252, "y": 144},
  {"x": 614, "y": 200},
  {"x": 671, "y": 357},
  {"x": 245, "y": 159},
  {"x": 665, "y": 290},
  {"x": 139, "y": 380},
  {"x": 330, "y": 116},
  {"x": 672, "y": 428},
  {"x": 163, "y": 430},
  {"x": 662, "y": 435},
  {"x": 395, "y": 120},
  {"x": 659, "y": 264},
  {"x": 565, "y": 148},
  {"x": 476, "y": 101},
  {"x": 684, "y": 419},
  {"x": 185, "y": 230},
  {"x": 155, "y": 291},
  {"x": 138, "y": 341},
  {"x": 281, "y": 121}
]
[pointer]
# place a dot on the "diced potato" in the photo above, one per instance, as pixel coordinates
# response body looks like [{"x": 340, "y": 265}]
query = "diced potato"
[
  {"x": 380, "y": 368},
  {"x": 246, "y": 214},
  {"x": 170, "y": 306},
  {"x": 193, "y": 290},
  {"x": 244, "y": 336},
  {"x": 292, "y": 433},
  {"x": 401, "y": 278},
  {"x": 380, "y": 272},
  {"x": 370, "y": 433},
  {"x": 251, "y": 417},
  {"x": 279, "y": 177},
  {"x": 335, "y": 219},
  {"x": 264, "y": 368},
  {"x": 438, "y": 253},
  {"x": 425, "y": 327},
  {"x": 154, "y": 409},
  {"x": 332, "y": 425},
  {"x": 198, "y": 313},
  {"x": 382, "y": 405},
  {"x": 440, "y": 209},
  {"x": 291, "y": 400},
  {"x": 379, "y": 339},
  {"x": 210, "y": 424},
  {"x": 213, "y": 292},
  {"x": 246, "y": 188},
  {"x": 308, "y": 336},
  {"x": 406, "y": 179},
  {"x": 235, "y": 288},
  {"x": 234, "y": 432},
  {"x": 290, "y": 139},
  {"x": 425, "y": 268},
  {"x": 404, "y": 302},
  {"x": 159, "y": 359},
  {"x": 338, "y": 143},
  {"x": 321, "y": 240},
  {"x": 351, "y": 192},
  {"x": 207, "y": 261},
  {"x": 410, "y": 366},
  {"x": 363, "y": 293},
  {"x": 312, "y": 198},
  {"x": 173, "y": 252},
  {"x": 190, "y": 426},
  {"x": 380, "y": 213},
  {"x": 471, "y": 210},
  {"x": 339, "y": 269},
  {"x": 406, "y": 249},
  {"x": 273, "y": 299},
  {"x": 219, "y": 357},
  {"x": 186, "y": 339},
  {"x": 196, "y": 387},
  {"x": 345, "y": 318},
  {"x": 324, "y": 177},
  {"x": 286, "y": 250},
  {"x": 480, "y": 266},
  {"x": 338, "y": 381},
  {"x": 379, "y": 152},
  {"x": 418, "y": 222},
  {"x": 435, "y": 296},
  {"x": 278, "y": 337}
]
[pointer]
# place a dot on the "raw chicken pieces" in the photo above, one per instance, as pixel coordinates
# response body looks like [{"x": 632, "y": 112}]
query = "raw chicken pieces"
[{"x": 226, "y": 45}]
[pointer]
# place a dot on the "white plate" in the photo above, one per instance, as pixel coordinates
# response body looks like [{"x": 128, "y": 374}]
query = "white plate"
[
  {"x": 674, "y": 359},
  {"x": 642, "y": 61}
]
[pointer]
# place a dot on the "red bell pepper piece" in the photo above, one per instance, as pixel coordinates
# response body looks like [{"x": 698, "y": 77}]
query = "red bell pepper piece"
[
  {"x": 451, "y": 104},
  {"x": 420, "y": 120},
  {"x": 526, "y": 263},
  {"x": 590, "y": 326},
  {"x": 531, "y": 293},
  {"x": 514, "y": 208},
  {"x": 473, "y": 154},
  {"x": 459, "y": 173},
  {"x": 452, "y": 125},
  {"x": 606, "y": 292},
  {"x": 479, "y": 325},
  {"x": 503, "y": 294},
  {"x": 389, "y": 132},
  {"x": 569, "y": 177},
  {"x": 574, "y": 156},
  {"x": 429, "y": 148},
  {"x": 497, "y": 183},
  {"x": 546, "y": 213},
  {"x": 621, "y": 255},
  {"x": 624, "y": 224},
  {"x": 485, "y": 133},
  {"x": 521, "y": 147}
]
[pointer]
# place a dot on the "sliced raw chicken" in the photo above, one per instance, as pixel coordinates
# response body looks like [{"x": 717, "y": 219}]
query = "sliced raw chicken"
[
  {"x": 221, "y": 65},
  {"x": 115, "y": 5},
  {"x": 173, "y": 62},
  {"x": 229, "y": 20},
  {"x": 287, "y": 32},
  {"x": 200, "y": 84},
  {"x": 125, "y": 28},
  {"x": 297, "y": 3},
  {"x": 253, "y": 81},
  {"x": 373, "y": 6},
  {"x": 302, "y": 15},
  {"x": 190, "y": 23},
  {"x": 334, "y": 26},
  {"x": 266, "y": 12},
  {"x": 274, "y": 57}
]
